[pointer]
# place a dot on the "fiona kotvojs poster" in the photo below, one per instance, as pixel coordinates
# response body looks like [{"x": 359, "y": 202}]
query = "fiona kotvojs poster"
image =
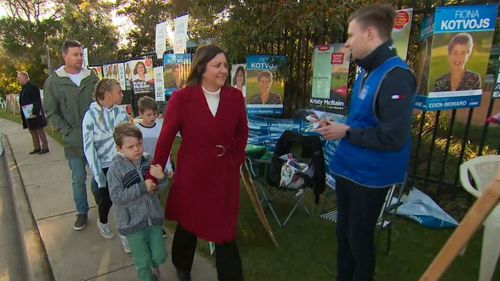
[
  {"x": 265, "y": 85},
  {"x": 461, "y": 44},
  {"x": 330, "y": 77}
]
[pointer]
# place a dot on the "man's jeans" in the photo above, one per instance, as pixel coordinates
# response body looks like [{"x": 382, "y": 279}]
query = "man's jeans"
[{"x": 78, "y": 177}]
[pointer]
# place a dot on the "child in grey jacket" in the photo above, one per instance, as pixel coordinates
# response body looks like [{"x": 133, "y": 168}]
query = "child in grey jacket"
[{"x": 136, "y": 206}]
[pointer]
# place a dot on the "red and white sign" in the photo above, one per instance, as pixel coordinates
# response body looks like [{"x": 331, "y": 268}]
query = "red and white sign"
[
  {"x": 337, "y": 58},
  {"x": 401, "y": 20}
]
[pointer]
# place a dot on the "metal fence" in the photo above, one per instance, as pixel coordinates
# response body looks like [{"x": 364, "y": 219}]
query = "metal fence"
[{"x": 442, "y": 140}]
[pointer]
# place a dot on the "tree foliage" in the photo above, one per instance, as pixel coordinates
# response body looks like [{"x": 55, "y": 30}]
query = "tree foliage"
[
  {"x": 144, "y": 14},
  {"x": 34, "y": 30}
]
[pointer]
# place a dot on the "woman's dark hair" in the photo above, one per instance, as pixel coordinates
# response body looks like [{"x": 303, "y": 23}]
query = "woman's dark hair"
[
  {"x": 239, "y": 69},
  {"x": 202, "y": 56},
  {"x": 137, "y": 64},
  {"x": 461, "y": 39}
]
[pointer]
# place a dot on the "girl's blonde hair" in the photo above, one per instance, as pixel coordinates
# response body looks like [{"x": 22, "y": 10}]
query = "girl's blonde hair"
[{"x": 104, "y": 85}]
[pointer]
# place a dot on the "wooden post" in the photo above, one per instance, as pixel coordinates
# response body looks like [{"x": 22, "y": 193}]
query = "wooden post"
[{"x": 476, "y": 215}]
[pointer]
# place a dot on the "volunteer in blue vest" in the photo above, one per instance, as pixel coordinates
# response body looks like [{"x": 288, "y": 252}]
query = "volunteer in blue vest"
[{"x": 374, "y": 144}]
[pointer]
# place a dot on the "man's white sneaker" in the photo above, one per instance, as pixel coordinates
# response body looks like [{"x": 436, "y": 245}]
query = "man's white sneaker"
[
  {"x": 126, "y": 247},
  {"x": 105, "y": 230}
]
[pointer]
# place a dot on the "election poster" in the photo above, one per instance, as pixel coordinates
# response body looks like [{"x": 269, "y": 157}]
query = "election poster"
[
  {"x": 401, "y": 31},
  {"x": 461, "y": 43},
  {"x": 265, "y": 84},
  {"x": 239, "y": 78},
  {"x": 115, "y": 71},
  {"x": 496, "y": 88},
  {"x": 180, "y": 34},
  {"x": 141, "y": 75},
  {"x": 176, "y": 69},
  {"x": 422, "y": 64},
  {"x": 97, "y": 70},
  {"x": 161, "y": 39},
  {"x": 330, "y": 65},
  {"x": 159, "y": 84}
]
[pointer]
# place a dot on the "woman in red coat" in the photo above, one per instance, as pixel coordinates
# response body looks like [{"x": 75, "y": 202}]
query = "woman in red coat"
[{"x": 211, "y": 118}]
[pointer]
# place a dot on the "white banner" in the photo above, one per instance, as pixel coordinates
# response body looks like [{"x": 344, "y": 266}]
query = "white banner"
[
  {"x": 161, "y": 39},
  {"x": 85, "y": 57},
  {"x": 159, "y": 88},
  {"x": 180, "y": 34},
  {"x": 121, "y": 75}
]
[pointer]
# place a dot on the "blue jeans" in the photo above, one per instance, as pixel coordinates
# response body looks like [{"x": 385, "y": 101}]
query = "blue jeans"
[{"x": 78, "y": 177}]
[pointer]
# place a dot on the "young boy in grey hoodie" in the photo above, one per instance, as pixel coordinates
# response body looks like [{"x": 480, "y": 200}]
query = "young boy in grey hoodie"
[{"x": 136, "y": 205}]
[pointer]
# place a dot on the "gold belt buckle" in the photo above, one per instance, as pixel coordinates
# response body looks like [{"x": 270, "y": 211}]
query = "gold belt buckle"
[{"x": 223, "y": 150}]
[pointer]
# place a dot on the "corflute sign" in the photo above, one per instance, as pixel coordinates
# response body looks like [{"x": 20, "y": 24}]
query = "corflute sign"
[{"x": 453, "y": 58}]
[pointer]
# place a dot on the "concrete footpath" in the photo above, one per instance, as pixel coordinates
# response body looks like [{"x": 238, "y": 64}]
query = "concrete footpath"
[{"x": 82, "y": 255}]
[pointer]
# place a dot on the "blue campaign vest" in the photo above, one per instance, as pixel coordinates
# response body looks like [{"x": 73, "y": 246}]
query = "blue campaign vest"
[{"x": 364, "y": 166}]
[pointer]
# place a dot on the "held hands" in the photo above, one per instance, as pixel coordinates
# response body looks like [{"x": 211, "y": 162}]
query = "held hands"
[
  {"x": 156, "y": 171},
  {"x": 151, "y": 187},
  {"x": 331, "y": 130}
]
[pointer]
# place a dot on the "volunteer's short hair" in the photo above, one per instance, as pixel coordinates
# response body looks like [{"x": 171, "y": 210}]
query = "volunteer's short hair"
[
  {"x": 24, "y": 73},
  {"x": 379, "y": 16},
  {"x": 126, "y": 130},
  {"x": 146, "y": 103},
  {"x": 266, "y": 74},
  {"x": 461, "y": 39},
  {"x": 70, "y": 44}
]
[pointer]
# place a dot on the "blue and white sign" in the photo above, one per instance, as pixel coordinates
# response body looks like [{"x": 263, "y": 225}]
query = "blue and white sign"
[
  {"x": 176, "y": 69},
  {"x": 461, "y": 43},
  {"x": 265, "y": 85},
  {"x": 465, "y": 19}
]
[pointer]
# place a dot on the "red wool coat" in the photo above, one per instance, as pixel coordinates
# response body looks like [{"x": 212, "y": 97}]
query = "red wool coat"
[{"x": 204, "y": 197}]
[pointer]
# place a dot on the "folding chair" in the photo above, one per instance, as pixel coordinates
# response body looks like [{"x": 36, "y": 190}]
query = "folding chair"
[
  {"x": 266, "y": 174},
  {"x": 391, "y": 203}
]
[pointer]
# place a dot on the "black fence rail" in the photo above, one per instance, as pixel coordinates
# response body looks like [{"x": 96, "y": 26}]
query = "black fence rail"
[{"x": 442, "y": 139}]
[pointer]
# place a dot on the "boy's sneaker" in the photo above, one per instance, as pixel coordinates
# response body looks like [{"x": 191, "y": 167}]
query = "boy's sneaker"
[
  {"x": 126, "y": 247},
  {"x": 164, "y": 233},
  {"x": 80, "y": 222},
  {"x": 105, "y": 230}
]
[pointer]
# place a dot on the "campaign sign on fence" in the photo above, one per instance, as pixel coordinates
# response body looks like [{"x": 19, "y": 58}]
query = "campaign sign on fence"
[
  {"x": 176, "y": 69},
  {"x": 239, "y": 78},
  {"x": 330, "y": 76},
  {"x": 496, "y": 89},
  {"x": 142, "y": 76},
  {"x": 159, "y": 85},
  {"x": 97, "y": 70},
  {"x": 401, "y": 31},
  {"x": 461, "y": 44},
  {"x": 265, "y": 84}
]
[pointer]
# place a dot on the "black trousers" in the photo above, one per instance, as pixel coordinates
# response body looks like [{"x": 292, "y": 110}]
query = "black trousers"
[
  {"x": 102, "y": 199},
  {"x": 358, "y": 210},
  {"x": 227, "y": 257}
]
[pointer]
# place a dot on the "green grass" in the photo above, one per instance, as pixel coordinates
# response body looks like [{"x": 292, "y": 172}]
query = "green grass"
[
  {"x": 307, "y": 247},
  {"x": 17, "y": 118}
]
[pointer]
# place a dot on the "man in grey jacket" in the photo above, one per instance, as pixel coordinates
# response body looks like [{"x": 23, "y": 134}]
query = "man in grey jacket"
[{"x": 67, "y": 96}]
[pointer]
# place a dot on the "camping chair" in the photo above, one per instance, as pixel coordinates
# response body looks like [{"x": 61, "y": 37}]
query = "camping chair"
[
  {"x": 475, "y": 175},
  {"x": 266, "y": 172},
  {"x": 391, "y": 203}
]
